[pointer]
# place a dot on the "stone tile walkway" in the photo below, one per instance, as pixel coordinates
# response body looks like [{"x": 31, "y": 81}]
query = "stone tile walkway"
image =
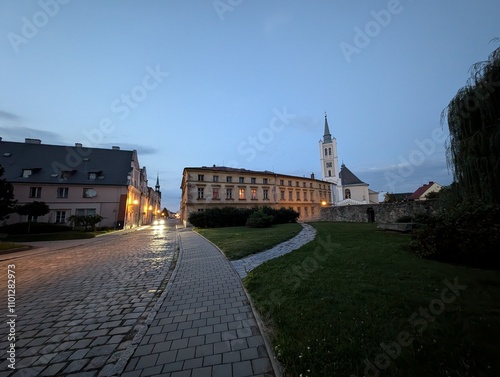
[
  {"x": 245, "y": 265},
  {"x": 205, "y": 326}
]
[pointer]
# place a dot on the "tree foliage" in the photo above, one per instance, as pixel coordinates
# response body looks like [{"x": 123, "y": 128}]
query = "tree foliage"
[
  {"x": 86, "y": 222},
  {"x": 473, "y": 118},
  {"x": 33, "y": 210},
  {"x": 7, "y": 201}
]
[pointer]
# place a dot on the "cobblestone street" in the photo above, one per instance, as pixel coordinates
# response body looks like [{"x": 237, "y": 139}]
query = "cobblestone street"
[{"x": 79, "y": 308}]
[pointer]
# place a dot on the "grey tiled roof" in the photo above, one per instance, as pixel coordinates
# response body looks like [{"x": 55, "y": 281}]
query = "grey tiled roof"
[
  {"x": 51, "y": 163},
  {"x": 348, "y": 177}
]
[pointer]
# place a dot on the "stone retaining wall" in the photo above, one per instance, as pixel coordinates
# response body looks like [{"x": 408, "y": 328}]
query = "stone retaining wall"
[{"x": 378, "y": 213}]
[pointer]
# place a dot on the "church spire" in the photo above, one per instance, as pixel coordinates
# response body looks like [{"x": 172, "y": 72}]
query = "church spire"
[
  {"x": 157, "y": 187},
  {"x": 327, "y": 137}
]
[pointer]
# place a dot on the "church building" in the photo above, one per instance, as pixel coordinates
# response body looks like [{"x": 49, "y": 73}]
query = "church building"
[{"x": 347, "y": 188}]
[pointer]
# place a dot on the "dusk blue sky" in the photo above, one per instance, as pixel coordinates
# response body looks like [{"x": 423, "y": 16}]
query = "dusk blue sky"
[{"x": 244, "y": 83}]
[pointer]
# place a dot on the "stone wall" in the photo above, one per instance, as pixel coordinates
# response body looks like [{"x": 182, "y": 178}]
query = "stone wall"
[{"x": 379, "y": 213}]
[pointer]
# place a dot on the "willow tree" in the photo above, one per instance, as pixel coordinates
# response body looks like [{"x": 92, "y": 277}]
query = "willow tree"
[{"x": 473, "y": 117}]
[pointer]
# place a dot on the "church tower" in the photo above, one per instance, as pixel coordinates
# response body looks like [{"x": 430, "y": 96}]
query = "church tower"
[
  {"x": 330, "y": 161},
  {"x": 157, "y": 187}
]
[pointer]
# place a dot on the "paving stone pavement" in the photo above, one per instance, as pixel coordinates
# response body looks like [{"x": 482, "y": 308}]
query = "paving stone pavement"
[
  {"x": 79, "y": 309},
  {"x": 205, "y": 326},
  {"x": 245, "y": 265}
]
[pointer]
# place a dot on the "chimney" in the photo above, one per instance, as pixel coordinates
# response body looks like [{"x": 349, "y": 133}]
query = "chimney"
[
  {"x": 78, "y": 145},
  {"x": 32, "y": 141},
  {"x": 115, "y": 148},
  {"x": 312, "y": 175}
]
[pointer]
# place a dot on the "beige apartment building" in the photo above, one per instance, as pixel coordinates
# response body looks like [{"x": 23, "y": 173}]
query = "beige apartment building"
[
  {"x": 77, "y": 180},
  {"x": 219, "y": 186}
]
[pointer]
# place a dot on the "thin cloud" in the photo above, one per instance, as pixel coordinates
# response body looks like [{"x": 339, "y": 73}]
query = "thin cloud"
[
  {"x": 20, "y": 133},
  {"x": 4, "y": 115}
]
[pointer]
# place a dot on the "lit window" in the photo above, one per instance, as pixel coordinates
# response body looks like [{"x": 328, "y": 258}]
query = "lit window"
[
  {"x": 254, "y": 194},
  {"x": 241, "y": 193}
]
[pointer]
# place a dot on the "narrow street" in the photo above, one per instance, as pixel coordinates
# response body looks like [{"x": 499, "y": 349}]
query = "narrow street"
[{"x": 77, "y": 309}]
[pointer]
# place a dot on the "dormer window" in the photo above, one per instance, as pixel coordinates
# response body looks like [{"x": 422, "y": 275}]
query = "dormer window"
[
  {"x": 27, "y": 173},
  {"x": 92, "y": 176}
]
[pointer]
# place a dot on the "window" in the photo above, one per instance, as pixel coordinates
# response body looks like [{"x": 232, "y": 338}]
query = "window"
[
  {"x": 242, "y": 180},
  {"x": 326, "y": 152},
  {"x": 241, "y": 193},
  {"x": 347, "y": 194},
  {"x": 216, "y": 178},
  {"x": 201, "y": 192},
  {"x": 282, "y": 194},
  {"x": 85, "y": 211},
  {"x": 201, "y": 177},
  {"x": 282, "y": 182},
  {"x": 289, "y": 183},
  {"x": 265, "y": 193},
  {"x": 253, "y": 180},
  {"x": 27, "y": 173},
  {"x": 35, "y": 192},
  {"x": 264, "y": 181},
  {"x": 92, "y": 176},
  {"x": 62, "y": 192},
  {"x": 229, "y": 179},
  {"x": 215, "y": 193},
  {"x": 305, "y": 195},
  {"x": 303, "y": 184},
  {"x": 297, "y": 183},
  {"x": 229, "y": 193},
  {"x": 306, "y": 211},
  {"x": 89, "y": 193},
  {"x": 329, "y": 151},
  {"x": 312, "y": 211},
  {"x": 329, "y": 173},
  {"x": 310, "y": 185},
  {"x": 60, "y": 217},
  {"x": 298, "y": 195},
  {"x": 290, "y": 195},
  {"x": 298, "y": 210},
  {"x": 253, "y": 194}
]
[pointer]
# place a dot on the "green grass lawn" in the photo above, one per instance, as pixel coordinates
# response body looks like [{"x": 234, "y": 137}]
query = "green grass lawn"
[
  {"x": 5, "y": 246},
  {"x": 238, "y": 242},
  {"x": 334, "y": 305}
]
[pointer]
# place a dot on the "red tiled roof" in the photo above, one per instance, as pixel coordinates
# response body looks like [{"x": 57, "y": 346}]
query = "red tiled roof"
[{"x": 420, "y": 191}]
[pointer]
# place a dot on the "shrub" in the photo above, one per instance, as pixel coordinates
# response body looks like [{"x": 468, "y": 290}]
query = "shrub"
[
  {"x": 259, "y": 219},
  {"x": 467, "y": 234}
]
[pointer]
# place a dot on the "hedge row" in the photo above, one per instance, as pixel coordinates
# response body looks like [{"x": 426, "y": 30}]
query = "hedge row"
[{"x": 231, "y": 216}]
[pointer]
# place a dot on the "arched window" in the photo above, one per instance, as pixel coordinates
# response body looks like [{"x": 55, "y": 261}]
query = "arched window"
[
  {"x": 330, "y": 151},
  {"x": 347, "y": 194},
  {"x": 329, "y": 173},
  {"x": 326, "y": 152}
]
